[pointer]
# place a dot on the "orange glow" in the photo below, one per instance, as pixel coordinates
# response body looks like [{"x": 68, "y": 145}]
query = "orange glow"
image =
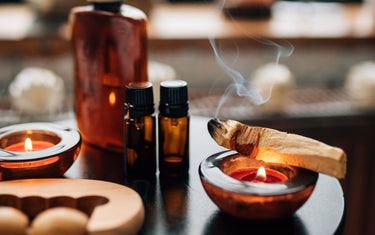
[
  {"x": 28, "y": 145},
  {"x": 112, "y": 98},
  {"x": 261, "y": 174}
]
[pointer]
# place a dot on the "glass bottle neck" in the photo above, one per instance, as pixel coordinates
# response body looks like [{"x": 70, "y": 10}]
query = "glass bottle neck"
[
  {"x": 139, "y": 111},
  {"x": 174, "y": 111},
  {"x": 114, "y": 6}
]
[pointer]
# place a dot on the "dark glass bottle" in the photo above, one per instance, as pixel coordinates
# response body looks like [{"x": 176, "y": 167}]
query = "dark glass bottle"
[
  {"x": 173, "y": 128},
  {"x": 140, "y": 135},
  {"x": 109, "y": 41}
]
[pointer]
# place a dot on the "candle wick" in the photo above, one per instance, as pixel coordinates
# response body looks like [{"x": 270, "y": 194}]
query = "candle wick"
[{"x": 261, "y": 177}]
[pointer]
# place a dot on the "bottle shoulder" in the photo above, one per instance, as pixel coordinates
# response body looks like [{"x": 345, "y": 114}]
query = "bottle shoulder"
[{"x": 132, "y": 12}]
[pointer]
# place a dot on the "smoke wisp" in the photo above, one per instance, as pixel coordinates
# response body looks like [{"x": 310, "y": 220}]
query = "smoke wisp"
[{"x": 240, "y": 84}]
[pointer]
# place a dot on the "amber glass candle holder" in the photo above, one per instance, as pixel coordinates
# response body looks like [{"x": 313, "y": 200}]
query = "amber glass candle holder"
[
  {"x": 58, "y": 148},
  {"x": 254, "y": 200}
]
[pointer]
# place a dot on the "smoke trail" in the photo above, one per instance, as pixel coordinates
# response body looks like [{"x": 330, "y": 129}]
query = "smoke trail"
[{"x": 239, "y": 86}]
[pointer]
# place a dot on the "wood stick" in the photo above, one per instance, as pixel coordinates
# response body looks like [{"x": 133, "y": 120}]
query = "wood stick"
[{"x": 275, "y": 146}]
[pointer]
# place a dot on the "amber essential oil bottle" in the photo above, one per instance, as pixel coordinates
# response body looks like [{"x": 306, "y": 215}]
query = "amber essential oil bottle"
[
  {"x": 109, "y": 41},
  {"x": 173, "y": 128},
  {"x": 140, "y": 135}
]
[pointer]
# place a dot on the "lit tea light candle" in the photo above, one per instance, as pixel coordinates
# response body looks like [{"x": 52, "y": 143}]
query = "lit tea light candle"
[
  {"x": 29, "y": 146},
  {"x": 240, "y": 187},
  {"x": 259, "y": 175},
  {"x": 35, "y": 150}
]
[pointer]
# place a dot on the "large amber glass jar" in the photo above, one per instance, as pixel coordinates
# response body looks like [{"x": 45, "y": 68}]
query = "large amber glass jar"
[{"x": 109, "y": 42}]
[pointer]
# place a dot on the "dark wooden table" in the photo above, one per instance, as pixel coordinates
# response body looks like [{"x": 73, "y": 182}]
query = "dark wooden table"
[{"x": 181, "y": 206}]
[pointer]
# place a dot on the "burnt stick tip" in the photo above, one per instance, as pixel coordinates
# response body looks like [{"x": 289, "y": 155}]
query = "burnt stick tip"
[{"x": 214, "y": 125}]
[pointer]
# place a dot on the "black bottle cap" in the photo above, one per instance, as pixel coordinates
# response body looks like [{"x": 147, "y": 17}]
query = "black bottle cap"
[
  {"x": 107, "y": 5},
  {"x": 139, "y": 98},
  {"x": 174, "y": 98}
]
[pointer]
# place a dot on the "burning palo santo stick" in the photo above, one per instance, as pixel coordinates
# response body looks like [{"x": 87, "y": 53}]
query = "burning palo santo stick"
[{"x": 279, "y": 147}]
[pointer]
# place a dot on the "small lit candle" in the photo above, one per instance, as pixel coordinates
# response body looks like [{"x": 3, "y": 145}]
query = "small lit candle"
[
  {"x": 259, "y": 175},
  {"x": 29, "y": 146}
]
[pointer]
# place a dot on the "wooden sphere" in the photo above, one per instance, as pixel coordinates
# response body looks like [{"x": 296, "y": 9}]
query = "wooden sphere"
[
  {"x": 13, "y": 221},
  {"x": 59, "y": 221}
]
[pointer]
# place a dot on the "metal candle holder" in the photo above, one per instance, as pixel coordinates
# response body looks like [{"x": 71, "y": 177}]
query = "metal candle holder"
[
  {"x": 49, "y": 162},
  {"x": 251, "y": 200}
]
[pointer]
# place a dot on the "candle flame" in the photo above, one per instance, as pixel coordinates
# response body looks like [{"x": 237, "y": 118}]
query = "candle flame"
[
  {"x": 261, "y": 174},
  {"x": 112, "y": 98},
  {"x": 28, "y": 145}
]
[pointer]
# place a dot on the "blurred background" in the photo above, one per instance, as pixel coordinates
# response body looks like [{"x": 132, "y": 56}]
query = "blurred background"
[{"x": 305, "y": 67}]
